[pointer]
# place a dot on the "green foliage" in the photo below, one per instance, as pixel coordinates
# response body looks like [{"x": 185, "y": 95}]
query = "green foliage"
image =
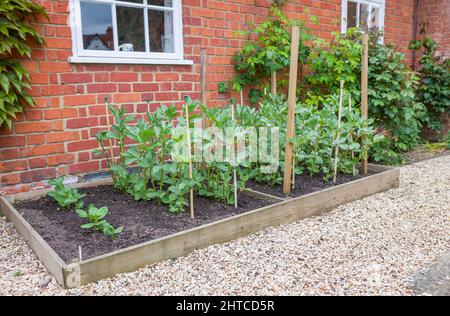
[
  {"x": 116, "y": 135},
  {"x": 267, "y": 50},
  {"x": 392, "y": 99},
  {"x": 316, "y": 136},
  {"x": 96, "y": 221},
  {"x": 16, "y": 33},
  {"x": 66, "y": 197},
  {"x": 331, "y": 62},
  {"x": 434, "y": 88},
  {"x": 155, "y": 176},
  {"x": 222, "y": 87}
]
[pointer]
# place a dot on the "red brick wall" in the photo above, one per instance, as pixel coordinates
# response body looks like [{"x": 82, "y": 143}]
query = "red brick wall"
[
  {"x": 56, "y": 137},
  {"x": 399, "y": 25},
  {"x": 434, "y": 15}
]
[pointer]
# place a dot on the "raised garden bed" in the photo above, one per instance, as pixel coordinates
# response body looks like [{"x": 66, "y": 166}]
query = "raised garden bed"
[{"x": 212, "y": 225}]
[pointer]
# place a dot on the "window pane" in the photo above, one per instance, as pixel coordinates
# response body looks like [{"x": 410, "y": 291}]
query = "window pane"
[
  {"x": 363, "y": 17},
  {"x": 96, "y": 25},
  {"x": 134, "y": 1},
  {"x": 351, "y": 14},
  {"x": 130, "y": 29},
  {"x": 375, "y": 18},
  {"x": 160, "y": 27},
  {"x": 161, "y": 3}
]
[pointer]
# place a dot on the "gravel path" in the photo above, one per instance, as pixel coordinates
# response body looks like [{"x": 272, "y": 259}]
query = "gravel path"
[{"x": 368, "y": 247}]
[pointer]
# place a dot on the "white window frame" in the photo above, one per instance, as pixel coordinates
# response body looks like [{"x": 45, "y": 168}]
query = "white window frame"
[
  {"x": 81, "y": 55},
  {"x": 378, "y": 3}
]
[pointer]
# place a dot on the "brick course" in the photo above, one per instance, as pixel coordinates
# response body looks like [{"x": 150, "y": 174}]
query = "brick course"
[{"x": 56, "y": 137}]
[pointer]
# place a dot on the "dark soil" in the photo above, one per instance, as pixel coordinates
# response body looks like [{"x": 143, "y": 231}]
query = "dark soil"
[
  {"x": 304, "y": 185},
  {"x": 141, "y": 221}
]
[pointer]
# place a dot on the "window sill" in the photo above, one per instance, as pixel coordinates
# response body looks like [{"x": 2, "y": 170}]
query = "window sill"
[{"x": 135, "y": 61}]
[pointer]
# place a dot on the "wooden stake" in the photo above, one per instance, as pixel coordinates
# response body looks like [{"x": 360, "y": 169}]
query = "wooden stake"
[
  {"x": 111, "y": 152},
  {"x": 364, "y": 96},
  {"x": 203, "y": 83},
  {"x": 242, "y": 96},
  {"x": 273, "y": 82},
  {"x": 291, "y": 109},
  {"x": 336, "y": 153},
  {"x": 293, "y": 171},
  {"x": 351, "y": 134},
  {"x": 188, "y": 136},
  {"x": 234, "y": 168}
]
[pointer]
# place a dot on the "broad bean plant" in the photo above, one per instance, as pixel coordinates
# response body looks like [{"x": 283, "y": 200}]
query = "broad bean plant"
[{"x": 150, "y": 165}]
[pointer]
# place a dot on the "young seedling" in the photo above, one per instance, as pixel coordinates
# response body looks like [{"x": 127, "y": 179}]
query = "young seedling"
[
  {"x": 97, "y": 221},
  {"x": 66, "y": 197}
]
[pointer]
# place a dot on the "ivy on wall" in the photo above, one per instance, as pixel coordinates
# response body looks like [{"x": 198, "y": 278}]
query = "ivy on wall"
[{"x": 16, "y": 32}]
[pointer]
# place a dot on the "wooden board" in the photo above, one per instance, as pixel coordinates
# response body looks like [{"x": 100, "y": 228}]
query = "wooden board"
[
  {"x": 292, "y": 99},
  {"x": 182, "y": 243},
  {"x": 52, "y": 262}
]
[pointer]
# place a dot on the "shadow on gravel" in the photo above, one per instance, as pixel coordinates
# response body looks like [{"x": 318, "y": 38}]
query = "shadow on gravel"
[{"x": 434, "y": 279}]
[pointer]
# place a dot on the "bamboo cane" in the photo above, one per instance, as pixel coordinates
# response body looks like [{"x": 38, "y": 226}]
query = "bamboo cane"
[
  {"x": 351, "y": 135},
  {"x": 108, "y": 125},
  {"x": 203, "y": 83},
  {"x": 242, "y": 96},
  {"x": 188, "y": 136},
  {"x": 234, "y": 168},
  {"x": 364, "y": 95},
  {"x": 336, "y": 153},
  {"x": 293, "y": 170}
]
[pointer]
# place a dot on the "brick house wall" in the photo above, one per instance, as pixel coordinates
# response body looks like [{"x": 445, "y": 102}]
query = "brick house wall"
[
  {"x": 434, "y": 15},
  {"x": 57, "y": 136}
]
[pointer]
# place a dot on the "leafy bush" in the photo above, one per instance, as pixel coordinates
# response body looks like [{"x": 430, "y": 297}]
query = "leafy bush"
[
  {"x": 267, "y": 50},
  {"x": 152, "y": 167},
  {"x": 97, "y": 221},
  {"x": 317, "y": 133},
  {"x": 15, "y": 35},
  {"x": 392, "y": 99},
  {"x": 156, "y": 176},
  {"x": 434, "y": 88},
  {"x": 336, "y": 60},
  {"x": 66, "y": 197}
]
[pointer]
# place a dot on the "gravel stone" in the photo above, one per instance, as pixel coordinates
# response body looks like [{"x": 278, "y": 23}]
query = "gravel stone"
[{"x": 368, "y": 247}]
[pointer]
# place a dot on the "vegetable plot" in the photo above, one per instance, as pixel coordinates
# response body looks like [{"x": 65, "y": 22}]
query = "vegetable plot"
[{"x": 152, "y": 162}]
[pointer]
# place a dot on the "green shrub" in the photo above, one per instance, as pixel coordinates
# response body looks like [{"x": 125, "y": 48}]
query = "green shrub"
[
  {"x": 392, "y": 100},
  {"x": 267, "y": 50},
  {"x": 434, "y": 88},
  {"x": 66, "y": 197},
  {"x": 16, "y": 33},
  {"x": 330, "y": 62}
]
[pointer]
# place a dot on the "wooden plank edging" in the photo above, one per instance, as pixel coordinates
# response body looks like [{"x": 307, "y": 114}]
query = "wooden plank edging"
[
  {"x": 285, "y": 210},
  {"x": 51, "y": 260}
]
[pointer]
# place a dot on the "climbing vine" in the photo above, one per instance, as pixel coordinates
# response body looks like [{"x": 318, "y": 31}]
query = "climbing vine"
[
  {"x": 16, "y": 32},
  {"x": 267, "y": 50}
]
